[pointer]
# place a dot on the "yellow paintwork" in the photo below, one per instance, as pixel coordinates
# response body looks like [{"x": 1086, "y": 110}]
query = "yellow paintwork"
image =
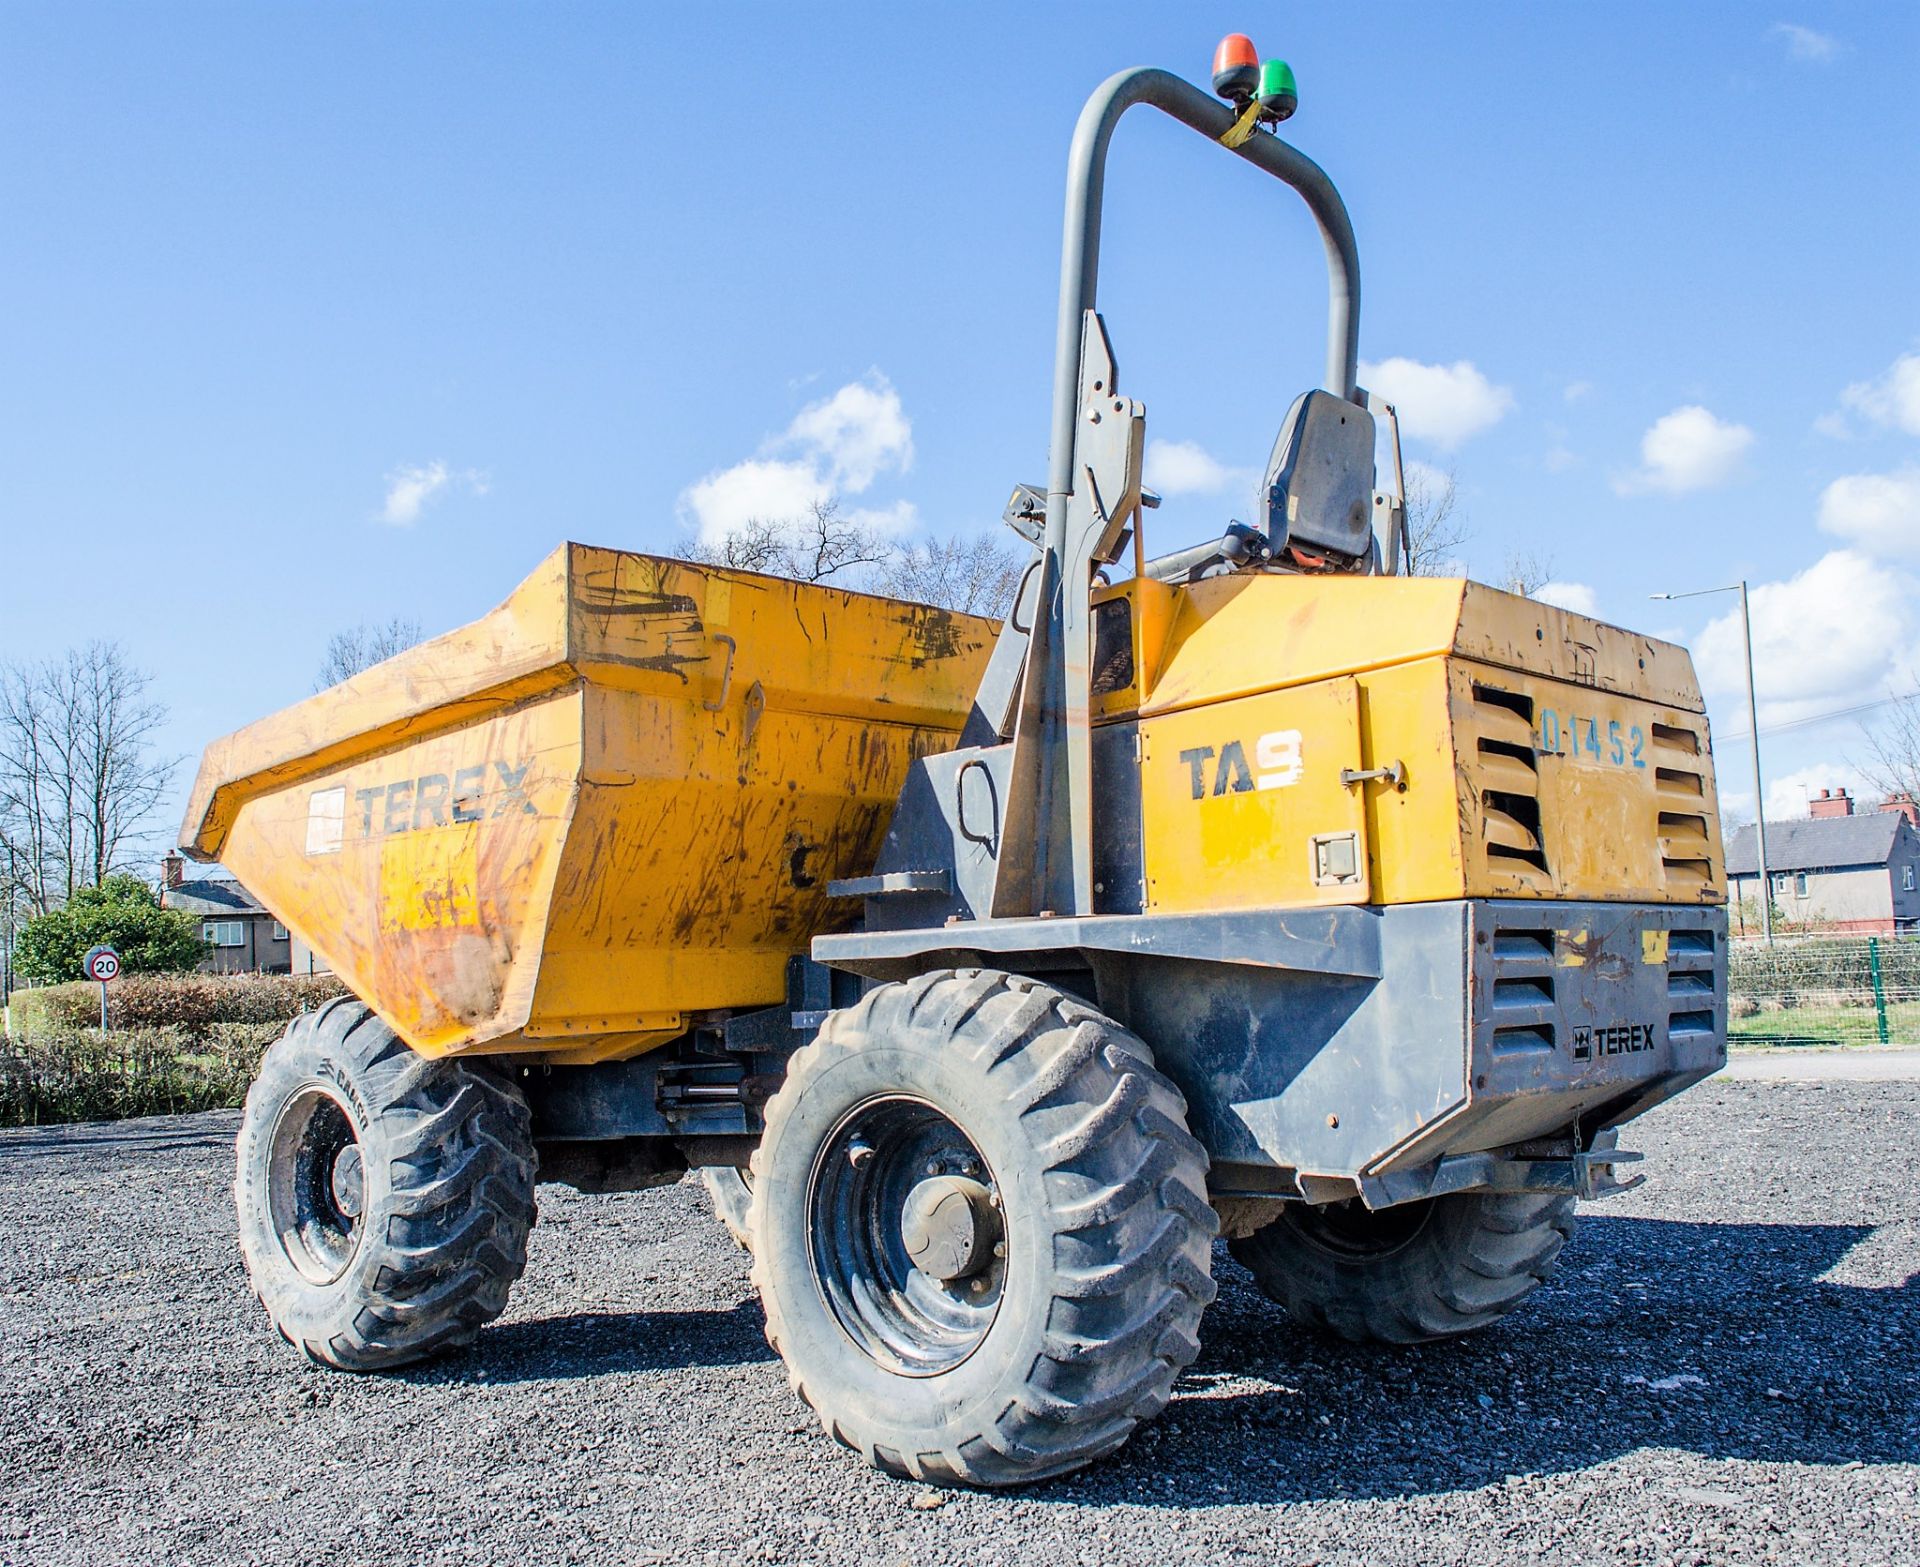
[
  {"x": 1544, "y": 753},
  {"x": 612, "y": 803},
  {"x": 1193, "y": 813}
]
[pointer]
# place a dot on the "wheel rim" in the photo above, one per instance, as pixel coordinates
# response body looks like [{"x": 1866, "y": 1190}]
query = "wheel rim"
[
  {"x": 316, "y": 1184},
  {"x": 1353, "y": 1232},
  {"x": 895, "y": 1179}
]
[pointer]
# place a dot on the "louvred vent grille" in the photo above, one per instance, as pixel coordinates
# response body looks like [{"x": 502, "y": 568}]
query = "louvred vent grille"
[
  {"x": 1680, "y": 790},
  {"x": 1509, "y": 780}
]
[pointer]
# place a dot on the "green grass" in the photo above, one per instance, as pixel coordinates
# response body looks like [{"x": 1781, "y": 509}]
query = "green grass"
[{"x": 1827, "y": 1025}]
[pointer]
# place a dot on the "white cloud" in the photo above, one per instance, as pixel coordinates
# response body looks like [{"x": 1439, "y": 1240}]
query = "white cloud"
[
  {"x": 1688, "y": 449},
  {"x": 414, "y": 487},
  {"x": 1574, "y": 391},
  {"x": 1891, "y": 399},
  {"x": 890, "y": 522},
  {"x": 860, "y": 433},
  {"x": 1576, "y": 596},
  {"x": 1879, "y": 512},
  {"x": 1803, "y": 43},
  {"x": 1828, "y": 637},
  {"x": 1188, "y": 468},
  {"x": 1790, "y": 794},
  {"x": 841, "y": 445},
  {"x": 755, "y": 490},
  {"x": 1444, "y": 404}
]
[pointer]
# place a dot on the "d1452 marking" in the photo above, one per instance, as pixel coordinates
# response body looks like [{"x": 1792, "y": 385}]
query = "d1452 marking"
[{"x": 1617, "y": 745}]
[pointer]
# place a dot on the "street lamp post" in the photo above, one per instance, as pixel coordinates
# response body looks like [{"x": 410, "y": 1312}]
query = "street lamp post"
[{"x": 1753, "y": 725}]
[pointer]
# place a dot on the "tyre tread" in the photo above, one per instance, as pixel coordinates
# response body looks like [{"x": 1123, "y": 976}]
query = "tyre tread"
[{"x": 1134, "y": 1316}]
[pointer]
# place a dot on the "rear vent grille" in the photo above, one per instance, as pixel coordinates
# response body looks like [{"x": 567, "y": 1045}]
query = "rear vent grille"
[
  {"x": 1509, "y": 780},
  {"x": 1686, "y": 859},
  {"x": 1690, "y": 985},
  {"x": 1523, "y": 1002}
]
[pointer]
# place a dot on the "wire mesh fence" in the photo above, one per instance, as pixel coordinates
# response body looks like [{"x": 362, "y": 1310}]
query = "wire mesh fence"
[{"x": 1825, "y": 990}]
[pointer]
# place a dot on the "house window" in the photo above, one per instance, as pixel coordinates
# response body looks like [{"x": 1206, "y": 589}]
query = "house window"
[
  {"x": 225, "y": 933},
  {"x": 1906, "y": 878},
  {"x": 279, "y": 931},
  {"x": 1780, "y": 885},
  {"x": 1800, "y": 885}
]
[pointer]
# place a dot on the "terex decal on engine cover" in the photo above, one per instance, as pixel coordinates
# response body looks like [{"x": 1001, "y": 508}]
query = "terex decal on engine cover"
[{"x": 437, "y": 799}]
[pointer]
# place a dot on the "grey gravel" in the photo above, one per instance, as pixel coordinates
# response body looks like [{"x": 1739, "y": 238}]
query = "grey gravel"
[{"x": 1725, "y": 1372}]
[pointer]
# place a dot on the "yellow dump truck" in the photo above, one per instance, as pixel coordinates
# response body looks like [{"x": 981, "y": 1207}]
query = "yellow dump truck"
[{"x": 991, "y": 970}]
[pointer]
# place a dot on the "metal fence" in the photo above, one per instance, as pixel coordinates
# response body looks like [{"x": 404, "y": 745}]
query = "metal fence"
[{"x": 1825, "y": 990}]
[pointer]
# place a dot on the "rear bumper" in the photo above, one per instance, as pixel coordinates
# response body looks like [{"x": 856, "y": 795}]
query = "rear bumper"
[
  {"x": 1576, "y": 1017},
  {"x": 1486, "y": 1033},
  {"x": 1595, "y": 1010}
]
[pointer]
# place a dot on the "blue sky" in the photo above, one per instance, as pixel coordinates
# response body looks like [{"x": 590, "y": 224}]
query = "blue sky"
[{"x": 318, "y": 315}]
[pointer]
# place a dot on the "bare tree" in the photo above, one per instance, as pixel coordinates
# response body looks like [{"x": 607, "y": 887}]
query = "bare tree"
[
  {"x": 813, "y": 548},
  {"x": 1893, "y": 749},
  {"x": 1435, "y": 530},
  {"x": 363, "y": 646},
  {"x": 79, "y": 782},
  {"x": 976, "y": 576},
  {"x": 1526, "y": 572}
]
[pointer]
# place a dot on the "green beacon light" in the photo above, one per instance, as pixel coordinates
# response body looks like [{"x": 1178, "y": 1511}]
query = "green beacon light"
[{"x": 1277, "y": 95}]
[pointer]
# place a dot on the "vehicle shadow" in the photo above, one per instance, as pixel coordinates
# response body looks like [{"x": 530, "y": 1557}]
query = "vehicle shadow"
[
  {"x": 591, "y": 1344},
  {"x": 1722, "y": 1339}
]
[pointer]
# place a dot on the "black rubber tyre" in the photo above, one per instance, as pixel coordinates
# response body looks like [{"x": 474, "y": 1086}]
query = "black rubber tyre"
[
  {"x": 1097, "y": 1254},
  {"x": 384, "y": 1199},
  {"x": 731, "y": 1192},
  {"x": 1411, "y": 1273}
]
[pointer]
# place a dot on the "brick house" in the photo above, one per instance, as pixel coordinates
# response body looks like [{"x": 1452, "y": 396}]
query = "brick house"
[
  {"x": 1836, "y": 869},
  {"x": 245, "y": 938}
]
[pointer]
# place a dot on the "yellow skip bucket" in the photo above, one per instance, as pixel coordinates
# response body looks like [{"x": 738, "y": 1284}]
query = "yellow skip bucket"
[{"x": 614, "y": 801}]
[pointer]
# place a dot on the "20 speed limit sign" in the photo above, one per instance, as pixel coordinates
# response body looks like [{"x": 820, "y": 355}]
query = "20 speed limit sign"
[{"x": 101, "y": 963}]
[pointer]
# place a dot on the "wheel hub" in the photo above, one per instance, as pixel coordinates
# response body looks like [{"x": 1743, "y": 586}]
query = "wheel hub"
[
  {"x": 349, "y": 1181},
  {"x": 950, "y": 1227},
  {"x": 906, "y": 1234},
  {"x": 316, "y": 1183}
]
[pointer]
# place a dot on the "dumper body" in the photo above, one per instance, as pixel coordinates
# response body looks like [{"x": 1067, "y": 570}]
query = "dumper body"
[{"x": 611, "y": 804}]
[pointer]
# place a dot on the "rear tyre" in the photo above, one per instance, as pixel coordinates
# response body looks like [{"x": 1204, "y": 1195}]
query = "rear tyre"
[
  {"x": 980, "y": 1230},
  {"x": 384, "y": 1199},
  {"x": 731, "y": 1192},
  {"x": 1410, "y": 1273}
]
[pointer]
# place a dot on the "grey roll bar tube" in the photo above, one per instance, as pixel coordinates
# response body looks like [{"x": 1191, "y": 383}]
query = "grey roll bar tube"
[
  {"x": 1080, "y": 244},
  {"x": 1045, "y": 865}
]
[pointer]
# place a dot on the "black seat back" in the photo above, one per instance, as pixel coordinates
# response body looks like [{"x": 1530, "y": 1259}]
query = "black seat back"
[{"x": 1318, "y": 490}]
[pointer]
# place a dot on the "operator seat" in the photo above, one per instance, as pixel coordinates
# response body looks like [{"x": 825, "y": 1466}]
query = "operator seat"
[{"x": 1318, "y": 491}]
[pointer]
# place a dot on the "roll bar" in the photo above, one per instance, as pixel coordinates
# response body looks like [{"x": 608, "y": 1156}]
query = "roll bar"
[
  {"x": 1045, "y": 860},
  {"x": 1080, "y": 243}
]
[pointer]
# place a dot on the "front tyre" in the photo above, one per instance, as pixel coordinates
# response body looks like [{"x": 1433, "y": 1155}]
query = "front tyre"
[
  {"x": 980, "y": 1229},
  {"x": 384, "y": 1199},
  {"x": 1413, "y": 1272}
]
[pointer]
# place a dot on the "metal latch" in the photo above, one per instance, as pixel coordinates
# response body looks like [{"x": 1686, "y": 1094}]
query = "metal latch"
[{"x": 1394, "y": 773}]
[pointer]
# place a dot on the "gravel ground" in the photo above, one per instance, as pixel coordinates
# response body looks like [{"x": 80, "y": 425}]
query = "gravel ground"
[{"x": 1726, "y": 1372}]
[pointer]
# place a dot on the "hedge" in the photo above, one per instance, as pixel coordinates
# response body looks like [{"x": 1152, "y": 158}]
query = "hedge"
[
  {"x": 81, "y": 1075},
  {"x": 1824, "y": 965},
  {"x": 194, "y": 1003}
]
